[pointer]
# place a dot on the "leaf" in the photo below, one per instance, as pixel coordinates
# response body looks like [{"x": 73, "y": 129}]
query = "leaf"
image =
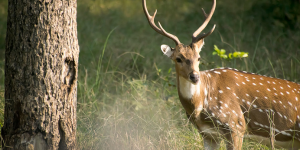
[
  {"x": 230, "y": 55},
  {"x": 223, "y": 51},
  {"x": 169, "y": 70},
  {"x": 224, "y": 56},
  {"x": 216, "y": 48},
  {"x": 240, "y": 54},
  {"x": 245, "y": 55}
]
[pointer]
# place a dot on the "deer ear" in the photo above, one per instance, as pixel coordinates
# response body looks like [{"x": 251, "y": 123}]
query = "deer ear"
[
  {"x": 167, "y": 50},
  {"x": 198, "y": 45}
]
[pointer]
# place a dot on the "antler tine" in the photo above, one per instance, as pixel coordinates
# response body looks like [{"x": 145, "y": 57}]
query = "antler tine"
[
  {"x": 200, "y": 29},
  {"x": 205, "y": 15},
  {"x": 154, "y": 27},
  {"x": 173, "y": 37},
  {"x": 195, "y": 39}
]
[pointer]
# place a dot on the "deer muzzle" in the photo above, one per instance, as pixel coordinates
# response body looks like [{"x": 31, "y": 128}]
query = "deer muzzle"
[{"x": 194, "y": 77}]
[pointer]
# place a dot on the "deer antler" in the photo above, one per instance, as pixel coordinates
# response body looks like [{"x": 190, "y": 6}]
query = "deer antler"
[
  {"x": 159, "y": 30},
  {"x": 200, "y": 29}
]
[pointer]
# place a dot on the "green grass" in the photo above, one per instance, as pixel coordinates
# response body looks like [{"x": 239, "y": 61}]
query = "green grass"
[{"x": 124, "y": 97}]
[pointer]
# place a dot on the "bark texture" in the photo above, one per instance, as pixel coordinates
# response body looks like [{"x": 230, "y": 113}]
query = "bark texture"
[{"x": 41, "y": 65}]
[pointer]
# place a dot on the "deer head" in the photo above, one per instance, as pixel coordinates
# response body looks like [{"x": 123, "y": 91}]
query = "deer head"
[{"x": 186, "y": 57}]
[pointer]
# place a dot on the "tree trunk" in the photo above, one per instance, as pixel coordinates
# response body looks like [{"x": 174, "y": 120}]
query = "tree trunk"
[{"x": 41, "y": 66}]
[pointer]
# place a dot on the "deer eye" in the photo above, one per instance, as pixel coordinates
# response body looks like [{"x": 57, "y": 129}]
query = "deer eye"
[{"x": 178, "y": 60}]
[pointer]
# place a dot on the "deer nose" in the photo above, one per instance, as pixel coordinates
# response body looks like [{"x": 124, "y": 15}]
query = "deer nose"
[{"x": 194, "y": 77}]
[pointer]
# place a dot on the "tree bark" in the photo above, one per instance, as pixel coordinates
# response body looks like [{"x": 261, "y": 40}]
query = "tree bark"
[{"x": 41, "y": 66}]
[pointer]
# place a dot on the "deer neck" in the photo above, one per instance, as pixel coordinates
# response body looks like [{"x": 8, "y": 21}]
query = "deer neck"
[{"x": 192, "y": 96}]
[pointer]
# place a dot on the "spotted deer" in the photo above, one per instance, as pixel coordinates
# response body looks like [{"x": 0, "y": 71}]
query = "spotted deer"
[{"x": 232, "y": 104}]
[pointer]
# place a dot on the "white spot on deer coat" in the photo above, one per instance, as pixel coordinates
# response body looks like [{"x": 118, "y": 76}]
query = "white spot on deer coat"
[
  {"x": 248, "y": 103},
  {"x": 208, "y": 75},
  {"x": 205, "y": 102},
  {"x": 217, "y": 72}
]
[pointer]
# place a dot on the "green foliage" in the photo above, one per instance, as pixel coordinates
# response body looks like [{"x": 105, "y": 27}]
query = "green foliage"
[
  {"x": 228, "y": 57},
  {"x": 222, "y": 54}
]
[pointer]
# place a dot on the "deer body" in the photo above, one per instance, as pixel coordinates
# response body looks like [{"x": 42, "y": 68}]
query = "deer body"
[
  {"x": 245, "y": 101},
  {"x": 230, "y": 104}
]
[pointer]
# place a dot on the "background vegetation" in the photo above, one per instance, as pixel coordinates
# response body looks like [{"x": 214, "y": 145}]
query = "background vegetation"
[{"x": 126, "y": 93}]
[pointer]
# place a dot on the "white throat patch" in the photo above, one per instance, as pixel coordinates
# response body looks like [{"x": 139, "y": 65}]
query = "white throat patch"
[{"x": 187, "y": 89}]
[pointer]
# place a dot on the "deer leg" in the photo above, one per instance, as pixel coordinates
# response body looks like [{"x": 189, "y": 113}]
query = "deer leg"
[{"x": 234, "y": 140}]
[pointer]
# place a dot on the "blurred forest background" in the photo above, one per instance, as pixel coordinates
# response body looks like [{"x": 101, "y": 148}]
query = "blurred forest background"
[{"x": 126, "y": 93}]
